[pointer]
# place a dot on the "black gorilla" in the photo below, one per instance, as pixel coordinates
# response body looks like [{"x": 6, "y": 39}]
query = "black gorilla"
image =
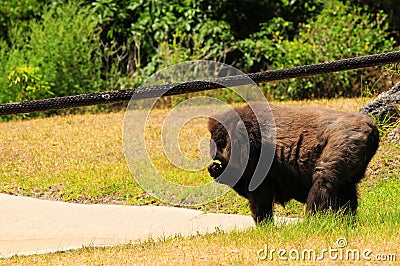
[{"x": 319, "y": 156}]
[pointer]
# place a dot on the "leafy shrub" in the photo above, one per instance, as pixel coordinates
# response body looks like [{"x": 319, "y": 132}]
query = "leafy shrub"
[
  {"x": 20, "y": 11},
  {"x": 186, "y": 48},
  {"x": 62, "y": 48},
  {"x": 65, "y": 45},
  {"x": 82, "y": 47},
  {"x": 32, "y": 87},
  {"x": 3, "y": 72},
  {"x": 390, "y": 7},
  {"x": 142, "y": 28},
  {"x": 10, "y": 58},
  {"x": 339, "y": 32},
  {"x": 259, "y": 49}
]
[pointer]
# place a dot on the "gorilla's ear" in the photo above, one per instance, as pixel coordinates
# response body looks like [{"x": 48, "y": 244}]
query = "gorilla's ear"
[{"x": 212, "y": 123}]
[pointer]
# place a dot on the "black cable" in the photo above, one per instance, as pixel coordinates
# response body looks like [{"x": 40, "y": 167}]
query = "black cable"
[{"x": 195, "y": 86}]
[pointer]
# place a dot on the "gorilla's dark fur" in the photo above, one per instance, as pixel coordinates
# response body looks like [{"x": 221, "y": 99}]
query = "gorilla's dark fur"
[{"x": 320, "y": 157}]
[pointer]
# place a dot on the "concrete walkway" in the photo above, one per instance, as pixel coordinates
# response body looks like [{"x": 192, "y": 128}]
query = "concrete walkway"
[{"x": 33, "y": 226}]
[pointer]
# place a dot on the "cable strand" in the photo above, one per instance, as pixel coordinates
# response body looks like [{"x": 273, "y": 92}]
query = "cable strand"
[{"x": 198, "y": 85}]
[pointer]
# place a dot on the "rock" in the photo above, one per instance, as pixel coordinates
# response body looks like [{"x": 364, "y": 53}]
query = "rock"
[
  {"x": 386, "y": 107},
  {"x": 394, "y": 135}
]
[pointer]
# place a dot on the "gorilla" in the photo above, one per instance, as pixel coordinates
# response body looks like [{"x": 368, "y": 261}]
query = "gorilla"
[{"x": 314, "y": 155}]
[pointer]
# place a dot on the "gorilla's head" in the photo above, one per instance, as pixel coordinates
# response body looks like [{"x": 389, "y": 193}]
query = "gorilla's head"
[
  {"x": 237, "y": 141},
  {"x": 230, "y": 147},
  {"x": 226, "y": 144}
]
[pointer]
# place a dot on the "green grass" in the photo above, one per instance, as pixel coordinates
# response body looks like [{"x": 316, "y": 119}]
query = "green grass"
[{"x": 79, "y": 158}]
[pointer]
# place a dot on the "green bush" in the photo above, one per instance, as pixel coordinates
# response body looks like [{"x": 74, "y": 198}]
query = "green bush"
[
  {"x": 390, "y": 7},
  {"x": 10, "y": 58},
  {"x": 339, "y": 32},
  {"x": 65, "y": 45},
  {"x": 140, "y": 29},
  {"x": 63, "y": 48},
  {"x": 4, "y": 97},
  {"x": 91, "y": 45},
  {"x": 32, "y": 87},
  {"x": 20, "y": 11}
]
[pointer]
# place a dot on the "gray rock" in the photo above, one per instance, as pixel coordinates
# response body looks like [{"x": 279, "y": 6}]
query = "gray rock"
[
  {"x": 384, "y": 107},
  {"x": 394, "y": 135}
]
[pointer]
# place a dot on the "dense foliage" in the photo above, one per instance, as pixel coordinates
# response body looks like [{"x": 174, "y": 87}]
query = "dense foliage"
[{"x": 55, "y": 48}]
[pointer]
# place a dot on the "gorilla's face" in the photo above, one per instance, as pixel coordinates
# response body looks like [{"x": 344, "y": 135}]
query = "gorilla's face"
[
  {"x": 220, "y": 150},
  {"x": 229, "y": 148}
]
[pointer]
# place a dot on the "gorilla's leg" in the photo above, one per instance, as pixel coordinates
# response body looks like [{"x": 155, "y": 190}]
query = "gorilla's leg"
[
  {"x": 325, "y": 195},
  {"x": 261, "y": 203},
  {"x": 348, "y": 201},
  {"x": 339, "y": 169}
]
